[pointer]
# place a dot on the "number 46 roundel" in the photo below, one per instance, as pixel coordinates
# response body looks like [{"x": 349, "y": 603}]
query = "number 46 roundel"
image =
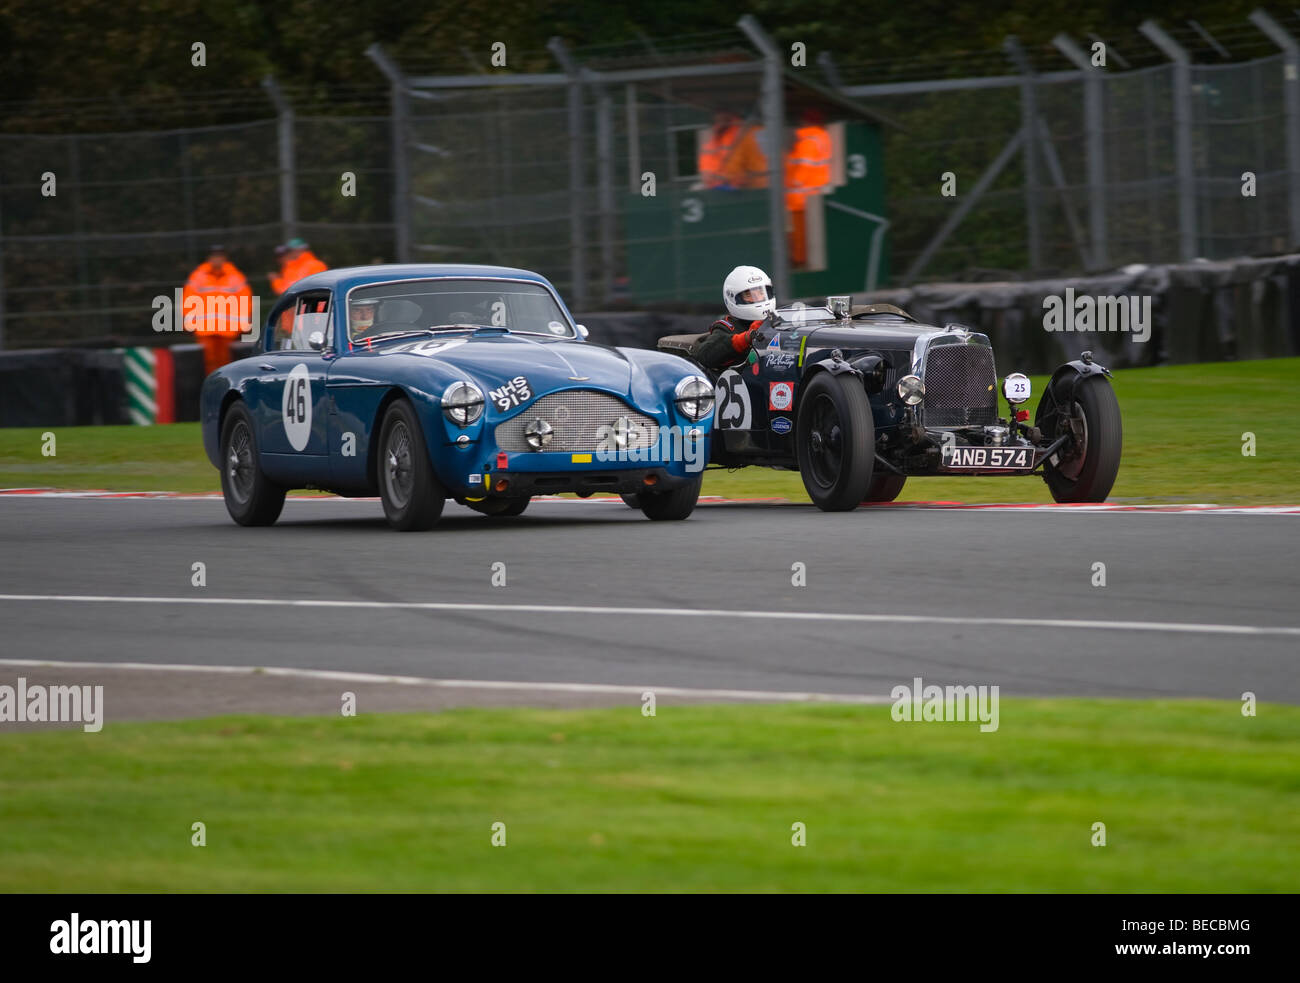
[
  {"x": 734, "y": 410},
  {"x": 296, "y": 407}
]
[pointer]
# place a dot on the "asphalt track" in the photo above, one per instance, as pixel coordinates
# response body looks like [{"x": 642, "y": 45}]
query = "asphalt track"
[{"x": 1195, "y": 604}]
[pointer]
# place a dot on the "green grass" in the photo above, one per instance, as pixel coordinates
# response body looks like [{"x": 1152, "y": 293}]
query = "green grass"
[
  {"x": 1183, "y": 429},
  {"x": 1195, "y": 797}
]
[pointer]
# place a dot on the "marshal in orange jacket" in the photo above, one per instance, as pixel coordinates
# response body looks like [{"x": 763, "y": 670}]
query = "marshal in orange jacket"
[
  {"x": 304, "y": 264},
  {"x": 221, "y": 284}
]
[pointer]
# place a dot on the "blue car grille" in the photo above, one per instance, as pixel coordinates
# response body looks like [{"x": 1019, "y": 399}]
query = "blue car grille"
[{"x": 581, "y": 421}]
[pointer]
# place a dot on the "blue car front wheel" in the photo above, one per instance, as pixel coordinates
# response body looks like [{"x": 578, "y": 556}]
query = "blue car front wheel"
[
  {"x": 251, "y": 498},
  {"x": 676, "y": 503},
  {"x": 412, "y": 495}
]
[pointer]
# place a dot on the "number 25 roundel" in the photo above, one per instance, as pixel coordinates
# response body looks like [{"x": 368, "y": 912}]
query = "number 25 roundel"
[{"x": 732, "y": 397}]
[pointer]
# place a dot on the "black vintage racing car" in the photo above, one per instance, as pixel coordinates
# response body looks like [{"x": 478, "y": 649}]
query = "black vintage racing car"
[{"x": 861, "y": 399}]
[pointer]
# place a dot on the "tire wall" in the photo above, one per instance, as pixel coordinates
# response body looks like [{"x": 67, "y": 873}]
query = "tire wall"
[{"x": 1200, "y": 312}]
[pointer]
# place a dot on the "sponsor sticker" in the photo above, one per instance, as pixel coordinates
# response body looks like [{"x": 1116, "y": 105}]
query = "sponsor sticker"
[
  {"x": 476, "y": 479},
  {"x": 780, "y": 395},
  {"x": 581, "y": 459},
  {"x": 776, "y": 341},
  {"x": 779, "y": 361},
  {"x": 555, "y": 327},
  {"x": 514, "y": 393},
  {"x": 781, "y": 424}
]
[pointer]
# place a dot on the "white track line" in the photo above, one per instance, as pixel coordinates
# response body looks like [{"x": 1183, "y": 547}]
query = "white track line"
[
  {"x": 366, "y": 677},
  {"x": 1156, "y": 509},
  {"x": 898, "y": 619}
]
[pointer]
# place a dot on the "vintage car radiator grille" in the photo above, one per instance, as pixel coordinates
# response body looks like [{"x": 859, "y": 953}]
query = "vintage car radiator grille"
[
  {"x": 578, "y": 418},
  {"x": 960, "y": 387}
]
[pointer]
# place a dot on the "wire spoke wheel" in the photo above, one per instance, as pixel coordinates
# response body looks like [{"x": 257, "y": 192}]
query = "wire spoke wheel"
[
  {"x": 240, "y": 469},
  {"x": 413, "y": 497},
  {"x": 251, "y": 498},
  {"x": 399, "y": 476}
]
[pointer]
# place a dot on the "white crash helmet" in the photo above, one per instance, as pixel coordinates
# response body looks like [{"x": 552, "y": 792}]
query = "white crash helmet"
[{"x": 743, "y": 305}]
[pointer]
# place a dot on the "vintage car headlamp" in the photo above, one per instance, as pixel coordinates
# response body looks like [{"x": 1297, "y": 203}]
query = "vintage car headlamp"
[
  {"x": 911, "y": 390},
  {"x": 462, "y": 403},
  {"x": 694, "y": 397},
  {"x": 538, "y": 434},
  {"x": 1016, "y": 388}
]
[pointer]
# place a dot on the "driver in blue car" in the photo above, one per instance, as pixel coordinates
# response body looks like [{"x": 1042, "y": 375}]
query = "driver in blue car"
[
  {"x": 361, "y": 316},
  {"x": 750, "y": 301}
]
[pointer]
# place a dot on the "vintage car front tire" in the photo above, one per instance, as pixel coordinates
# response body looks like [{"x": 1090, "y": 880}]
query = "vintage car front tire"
[
  {"x": 885, "y": 487},
  {"x": 677, "y": 503},
  {"x": 503, "y": 507},
  {"x": 251, "y": 498},
  {"x": 835, "y": 441},
  {"x": 1088, "y": 474},
  {"x": 412, "y": 495}
]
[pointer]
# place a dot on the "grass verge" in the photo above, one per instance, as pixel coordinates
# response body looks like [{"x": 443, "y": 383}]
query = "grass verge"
[
  {"x": 1183, "y": 436},
  {"x": 1195, "y": 797}
]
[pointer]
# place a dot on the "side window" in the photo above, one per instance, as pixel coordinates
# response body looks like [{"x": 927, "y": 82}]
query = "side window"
[{"x": 311, "y": 315}]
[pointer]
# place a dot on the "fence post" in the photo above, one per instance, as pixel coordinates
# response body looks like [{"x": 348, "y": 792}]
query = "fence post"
[
  {"x": 577, "y": 202},
  {"x": 1291, "y": 94},
  {"x": 773, "y": 99},
  {"x": 288, "y": 165},
  {"x": 1176, "y": 53},
  {"x": 187, "y": 196},
  {"x": 1094, "y": 127},
  {"x": 605, "y": 186},
  {"x": 401, "y": 165},
  {"x": 1029, "y": 127},
  {"x": 633, "y": 140}
]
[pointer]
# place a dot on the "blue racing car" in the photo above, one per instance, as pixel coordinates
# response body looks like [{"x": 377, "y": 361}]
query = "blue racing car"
[{"x": 421, "y": 383}]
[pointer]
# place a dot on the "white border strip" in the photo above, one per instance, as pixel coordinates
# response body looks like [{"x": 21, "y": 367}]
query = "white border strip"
[
  {"x": 366, "y": 677},
  {"x": 588, "y": 610},
  {"x": 1197, "y": 508}
]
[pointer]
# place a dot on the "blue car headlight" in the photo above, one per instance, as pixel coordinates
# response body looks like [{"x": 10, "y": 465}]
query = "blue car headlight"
[
  {"x": 694, "y": 397},
  {"x": 462, "y": 403}
]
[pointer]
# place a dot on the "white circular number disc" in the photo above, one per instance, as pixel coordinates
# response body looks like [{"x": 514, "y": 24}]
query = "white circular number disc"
[{"x": 296, "y": 407}]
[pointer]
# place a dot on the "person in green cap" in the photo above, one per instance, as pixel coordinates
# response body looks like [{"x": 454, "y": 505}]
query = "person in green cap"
[{"x": 299, "y": 261}]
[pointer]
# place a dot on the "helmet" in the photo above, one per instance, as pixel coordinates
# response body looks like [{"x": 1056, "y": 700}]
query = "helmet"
[
  {"x": 361, "y": 313},
  {"x": 747, "y": 292}
]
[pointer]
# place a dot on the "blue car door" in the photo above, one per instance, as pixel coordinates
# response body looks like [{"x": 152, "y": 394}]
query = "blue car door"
[{"x": 290, "y": 406}]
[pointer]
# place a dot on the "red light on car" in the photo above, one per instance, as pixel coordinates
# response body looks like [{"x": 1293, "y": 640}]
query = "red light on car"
[
  {"x": 1022, "y": 416},
  {"x": 501, "y": 460},
  {"x": 651, "y": 479},
  {"x": 500, "y": 485}
]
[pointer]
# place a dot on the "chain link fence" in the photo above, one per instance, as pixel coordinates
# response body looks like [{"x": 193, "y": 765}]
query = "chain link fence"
[
  {"x": 550, "y": 174},
  {"x": 1242, "y": 184},
  {"x": 94, "y": 226}
]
